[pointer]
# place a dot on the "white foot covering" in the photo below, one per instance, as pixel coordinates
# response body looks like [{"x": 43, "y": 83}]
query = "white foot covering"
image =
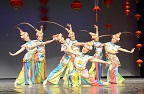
[{"x": 45, "y": 82}]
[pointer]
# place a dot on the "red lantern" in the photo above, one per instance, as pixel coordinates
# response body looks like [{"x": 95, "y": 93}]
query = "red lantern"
[
  {"x": 127, "y": 3},
  {"x": 127, "y": 11},
  {"x": 139, "y": 46},
  {"x": 139, "y": 62},
  {"x": 76, "y": 5},
  {"x": 44, "y": 2},
  {"x": 137, "y": 16},
  {"x": 16, "y": 3},
  {"x": 44, "y": 18},
  {"x": 108, "y": 26},
  {"x": 127, "y": 7},
  {"x": 138, "y": 33},
  {"x": 44, "y": 11},
  {"x": 107, "y": 2}
]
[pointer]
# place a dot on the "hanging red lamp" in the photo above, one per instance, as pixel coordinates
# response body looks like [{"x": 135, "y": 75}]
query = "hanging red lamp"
[
  {"x": 127, "y": 7},
  {"x": 16, "y": 3},
  {"x": 139, "y": 46},
  {"x": 108, "y": 26},
  {"x": 137, "y": 16},
  {"x": 139, "y": 62},
  {"x": 107, "y": 2},
  {"x": 44, "y": 11},
  {"x": 76, "y": 5},
  {"x": 96, "y": 8},
  {"x": 138, "y": 33},
  {"x": 127, "y": 11},
  {"x": 44, "y": 2}
]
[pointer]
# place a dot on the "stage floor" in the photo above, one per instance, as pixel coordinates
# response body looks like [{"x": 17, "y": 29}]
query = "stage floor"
[{"x": 130, "y": 86}]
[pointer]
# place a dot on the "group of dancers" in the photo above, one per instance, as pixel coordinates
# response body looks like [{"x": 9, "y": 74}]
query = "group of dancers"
[{"x": 73, "y": 62}]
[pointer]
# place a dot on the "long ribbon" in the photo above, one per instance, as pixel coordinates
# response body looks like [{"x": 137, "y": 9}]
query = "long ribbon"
[
  {"x": 21, "y": 24},
  {"x": 53, "y": 23}
]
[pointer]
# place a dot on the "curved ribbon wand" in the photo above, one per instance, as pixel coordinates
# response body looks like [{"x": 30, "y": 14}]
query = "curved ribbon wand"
[{"x": 21, "y": 24}]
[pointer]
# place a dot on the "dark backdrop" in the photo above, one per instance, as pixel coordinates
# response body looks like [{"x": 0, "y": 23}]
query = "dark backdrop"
[{"x": 60, "y": 11}]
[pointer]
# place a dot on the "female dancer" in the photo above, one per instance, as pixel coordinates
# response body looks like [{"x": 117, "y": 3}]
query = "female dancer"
[
  {"x": 111, "y": 50},
  {"x": 80, "y": 66},
  {"x": 75, "y": 45},
  {"x": 40, "y": 59},
  {"x": 26, "y": 73},
  {"x": 55, "y": 75},
  {"x": 96, "y": 68}
]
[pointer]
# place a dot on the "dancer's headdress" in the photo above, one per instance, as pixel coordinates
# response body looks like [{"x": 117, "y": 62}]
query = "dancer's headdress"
[
  {"x": 22, "y": 33},
  {"x": 116, "y": 36},
  {"x": 39, "y": 32}
]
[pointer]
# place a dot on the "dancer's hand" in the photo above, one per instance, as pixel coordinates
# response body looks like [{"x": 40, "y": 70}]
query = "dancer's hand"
[
  {"x": 132, "y": 50},
  {"x": 95, "y": 26},
  {"x": 69, "y": 25},
  {"x": 11, "y": 54},
  {"x": 109, "y": 62}
]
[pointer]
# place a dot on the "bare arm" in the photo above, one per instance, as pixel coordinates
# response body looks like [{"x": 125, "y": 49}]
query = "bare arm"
[
  {"x": 96, "y": 27},
  {"x": 127, "y": 51},
  {"x": 47, "y": 42},
  {"x": 18, "y": 52},
  {"x": 98, "y": 60},
  {"x": 79, "y": 44}
]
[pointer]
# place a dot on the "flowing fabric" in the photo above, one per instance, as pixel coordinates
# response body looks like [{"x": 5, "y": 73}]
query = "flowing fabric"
[
  {"x": 96, "y": 68},
  {"x": 112, "y": 73},
  {"x": 27, "y": 72},
  {"x": 80, "y": 72}
]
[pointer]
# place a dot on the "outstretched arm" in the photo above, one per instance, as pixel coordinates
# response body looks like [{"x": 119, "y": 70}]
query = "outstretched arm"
[
  {"x": 96, "y": 27},
  {"x": 47, "y": 42},
  {"x": 18, "y": 52},
  {"x": 78, "y": 44},
  {"x": 98, "y": 60},
  {"x": 127, "y": 51}
]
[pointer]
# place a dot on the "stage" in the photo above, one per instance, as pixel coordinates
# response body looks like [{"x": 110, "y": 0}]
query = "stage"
[{"x": 130, "y": 86}]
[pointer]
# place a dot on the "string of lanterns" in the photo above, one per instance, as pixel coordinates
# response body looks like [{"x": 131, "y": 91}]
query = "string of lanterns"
[
  {"x": 127, "y": 7},
  {"x": 44, "y": 12}
]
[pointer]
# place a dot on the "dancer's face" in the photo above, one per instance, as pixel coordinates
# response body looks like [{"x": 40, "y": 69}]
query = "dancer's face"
[
  {"x": 40, "y": 38},
  {"x": 86, "y": 48},
  {"x": 114, "y": 40},
  {"x": 25, "y": 37}
]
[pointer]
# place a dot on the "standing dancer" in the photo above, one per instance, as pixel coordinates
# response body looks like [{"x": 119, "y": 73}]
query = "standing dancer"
[
  {"x": 40, "y": 58},
  {"x": 26, "y": 72},
  {"x": 80, "y": 66},
  {"x": 75, "y": 45},
  {"x": 55, "y": 75},
  {"x": 96, "y": 68},
  {"x": 111, "y": 50}
]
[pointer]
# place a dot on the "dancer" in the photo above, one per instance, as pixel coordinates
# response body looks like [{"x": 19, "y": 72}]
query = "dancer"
[
  {"x": 55, "y": 75},
  {"x": 26, "y": 72},
  {"x": 96, "y": 68},
  {"x": 40, "y": 59},
  {"x": 80, "y": 66},
  {"x": 75, "y": 45},
  {"x": 111, "y": 50}
]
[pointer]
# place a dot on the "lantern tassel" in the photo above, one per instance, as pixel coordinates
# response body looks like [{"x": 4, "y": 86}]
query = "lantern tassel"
[
  {"x": 96, "y": 17},
  {"x": 139, "y": 65}
]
